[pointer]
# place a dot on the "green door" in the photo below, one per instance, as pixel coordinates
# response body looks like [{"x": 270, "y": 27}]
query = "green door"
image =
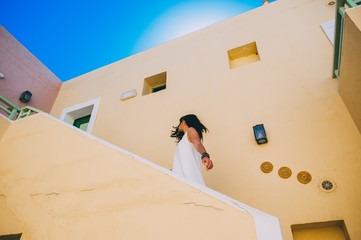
[{"x": 82, "y": 122}]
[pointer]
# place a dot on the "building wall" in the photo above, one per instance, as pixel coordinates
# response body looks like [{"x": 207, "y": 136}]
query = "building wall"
[
  {"x": 350, "y": 79},
  {"x": 24, "y": 72},
  {"x": 290, "y": 90},
  {"x": 62, "y": 184},
  {"x": 4, "y": 124}
]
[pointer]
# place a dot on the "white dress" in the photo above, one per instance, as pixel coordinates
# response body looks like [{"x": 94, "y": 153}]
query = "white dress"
[{"x": 187, "y": 161}]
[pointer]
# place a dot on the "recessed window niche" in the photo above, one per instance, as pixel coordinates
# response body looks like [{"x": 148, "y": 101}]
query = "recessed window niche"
[
  {"x": 243, "y": 55},
  {"x": 155, "y": 83},
  {"x": 82, "y": 115},
  {"x": 320, "y": 230}
]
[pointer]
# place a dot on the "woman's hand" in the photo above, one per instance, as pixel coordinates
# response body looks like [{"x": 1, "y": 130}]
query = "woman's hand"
[{"x": 207, "y": 163}]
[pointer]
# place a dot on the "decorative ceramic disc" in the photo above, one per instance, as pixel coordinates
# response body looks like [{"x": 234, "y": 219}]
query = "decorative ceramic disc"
[
  {"x": 284, "y": 172},
  {"x": 266, "y": 167},
  {"x": 304, "y": 177}
]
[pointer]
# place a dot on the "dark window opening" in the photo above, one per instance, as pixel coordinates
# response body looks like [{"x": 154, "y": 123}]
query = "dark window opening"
[
  {"x": 159, "y": 88},
  {"x": 11, "y": 237}
]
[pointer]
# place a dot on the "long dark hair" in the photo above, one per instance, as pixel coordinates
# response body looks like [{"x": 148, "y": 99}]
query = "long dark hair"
[{"x": 191, "y": 121}]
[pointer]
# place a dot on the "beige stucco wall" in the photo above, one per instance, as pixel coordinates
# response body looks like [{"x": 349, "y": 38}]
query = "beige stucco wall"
[
  {"x": 80, "y": 188},
  {"x": 23, "y": 71},
  {"x": 290, "y": 90},
  {"x": 350, "y": 78},
  {"x": 4, "y": 124}
]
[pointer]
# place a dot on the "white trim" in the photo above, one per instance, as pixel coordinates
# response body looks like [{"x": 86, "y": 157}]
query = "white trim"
[{"x": 91, "y": 107}]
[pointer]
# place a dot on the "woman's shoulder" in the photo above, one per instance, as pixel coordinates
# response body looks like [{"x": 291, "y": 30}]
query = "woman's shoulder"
[
  {"x": 192, "y": 134},
  {"x": 192, "y": 130}
]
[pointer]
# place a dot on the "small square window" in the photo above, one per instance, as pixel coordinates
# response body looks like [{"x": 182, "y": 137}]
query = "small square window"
[
  {"x": 243, "y": 55},
  {"x": 321, "y": 230},
  {"x": 155, "y": 83}
]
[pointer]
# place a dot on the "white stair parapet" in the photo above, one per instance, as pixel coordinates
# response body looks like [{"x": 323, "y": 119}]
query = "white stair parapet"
[{"x": 267, "y": 226}]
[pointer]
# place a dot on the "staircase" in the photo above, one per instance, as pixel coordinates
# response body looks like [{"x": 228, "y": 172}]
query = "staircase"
[{"x": 66, "y": 184}]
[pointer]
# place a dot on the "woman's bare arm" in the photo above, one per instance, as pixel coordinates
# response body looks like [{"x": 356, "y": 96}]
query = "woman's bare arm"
[{"x": 194, "y": 138}]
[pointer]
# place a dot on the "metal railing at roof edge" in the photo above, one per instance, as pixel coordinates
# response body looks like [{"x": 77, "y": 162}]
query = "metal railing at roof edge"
[
  {"x": 13, "y": 112},
  {"x": 339, "y": 22}
]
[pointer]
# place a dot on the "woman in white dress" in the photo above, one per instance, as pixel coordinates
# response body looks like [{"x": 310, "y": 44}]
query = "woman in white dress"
[{"x": 190, "y": 151}]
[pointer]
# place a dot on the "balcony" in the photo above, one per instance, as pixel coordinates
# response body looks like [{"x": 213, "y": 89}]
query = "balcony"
[{"x": 13, "y": 112}]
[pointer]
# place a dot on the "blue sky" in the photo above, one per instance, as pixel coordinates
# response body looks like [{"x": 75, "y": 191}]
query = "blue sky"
[{"x": 74, "y": 37}]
